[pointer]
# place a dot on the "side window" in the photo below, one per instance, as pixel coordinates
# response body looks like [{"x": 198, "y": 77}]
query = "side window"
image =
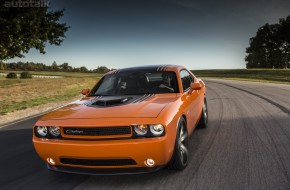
[{"x": 186, "y": 79}]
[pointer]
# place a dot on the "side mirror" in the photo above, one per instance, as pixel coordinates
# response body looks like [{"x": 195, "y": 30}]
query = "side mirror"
[
  {"x": 195, "y": 85},
  {"x": 85, "y": 91}
]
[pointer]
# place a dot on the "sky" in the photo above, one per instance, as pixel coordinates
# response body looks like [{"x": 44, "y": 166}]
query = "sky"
[{"x": 198, "y": 34}]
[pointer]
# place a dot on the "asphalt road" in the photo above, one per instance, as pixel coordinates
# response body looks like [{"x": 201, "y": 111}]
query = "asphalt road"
[{"x": 246, "y": 146}]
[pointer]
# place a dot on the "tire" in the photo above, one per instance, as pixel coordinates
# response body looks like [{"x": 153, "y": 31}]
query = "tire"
[
  {"x": 180, "y": 156},
  {"x": 203, "y": 121}
]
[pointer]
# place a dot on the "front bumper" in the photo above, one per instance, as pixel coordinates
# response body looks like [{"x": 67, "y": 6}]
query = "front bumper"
[
  {"x": 108, "y": 171},
  {"x": 159, "y": 149}
]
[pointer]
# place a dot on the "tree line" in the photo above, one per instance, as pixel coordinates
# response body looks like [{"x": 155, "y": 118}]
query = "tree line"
[
  {"x": 270, "y": 48},
  {"x": 65, "y": 67}
]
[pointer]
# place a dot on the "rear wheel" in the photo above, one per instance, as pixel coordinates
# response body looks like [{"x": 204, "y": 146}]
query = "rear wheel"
[
  {"x": 204, "y": 116},
  {"x": 180, "y": 155}
]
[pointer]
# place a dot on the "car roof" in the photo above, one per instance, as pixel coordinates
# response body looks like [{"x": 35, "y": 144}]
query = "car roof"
[{"x": 148, "y": 68}]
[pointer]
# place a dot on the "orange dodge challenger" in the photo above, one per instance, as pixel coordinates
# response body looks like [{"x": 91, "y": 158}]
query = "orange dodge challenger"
[{"x": 134, "y": 120}]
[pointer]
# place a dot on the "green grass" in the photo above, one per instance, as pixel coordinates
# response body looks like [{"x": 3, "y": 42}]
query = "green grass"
[
  {"x": 8, "y": 82},
  {"x": 56, "y": 73},
  {"x": 35, "y": 102},
  {"x": 19, "y": 94},
  {"x": 265, "y": 75}
]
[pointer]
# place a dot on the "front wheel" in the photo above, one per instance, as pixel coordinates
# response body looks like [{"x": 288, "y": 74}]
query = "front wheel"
[
  {"x": 180, "y": 155},
  {"x": 203, "y": 121}
]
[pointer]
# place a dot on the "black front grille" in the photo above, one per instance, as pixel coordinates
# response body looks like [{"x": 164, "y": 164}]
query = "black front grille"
[
  {"x": 97, "y": 131},
  {"x": 107, "y": 162}
]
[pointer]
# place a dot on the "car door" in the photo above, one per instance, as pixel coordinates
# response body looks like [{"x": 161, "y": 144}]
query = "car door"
[{"x": 190, "y": 100}]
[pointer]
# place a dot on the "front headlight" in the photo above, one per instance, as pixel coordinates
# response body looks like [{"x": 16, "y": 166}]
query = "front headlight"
[
  {"x": 50, "y": 132},
  {"x": 54, "y": 131},
  {"x": 154, "y": 130},
  {"x": 41, "y": 131},
  {"x": 157, "y": 130},
  {"x": 141, "y": 130}
]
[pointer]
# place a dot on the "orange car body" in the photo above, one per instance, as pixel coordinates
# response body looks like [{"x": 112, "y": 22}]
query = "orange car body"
[{"x": 165, "y": 109}]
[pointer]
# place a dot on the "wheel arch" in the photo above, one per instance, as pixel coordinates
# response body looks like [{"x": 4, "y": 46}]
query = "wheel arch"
[{"x": 185, "y": 118}]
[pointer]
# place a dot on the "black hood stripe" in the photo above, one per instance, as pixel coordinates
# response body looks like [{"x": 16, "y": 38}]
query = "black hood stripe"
[
  {"x": 135, "y": 101},
  {"x": 149, "y": 97},
  {"x": 90, "y": 102},
  {"x": 145, "y": 98}
]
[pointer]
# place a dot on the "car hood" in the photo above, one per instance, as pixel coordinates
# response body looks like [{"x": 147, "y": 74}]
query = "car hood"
[{"x": 142, "y": 106}]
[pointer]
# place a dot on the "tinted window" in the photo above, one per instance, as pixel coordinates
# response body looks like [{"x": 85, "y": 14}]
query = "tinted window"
[
  {"x": 186, "y": 79},
  {"x": 133, "y": 83}
]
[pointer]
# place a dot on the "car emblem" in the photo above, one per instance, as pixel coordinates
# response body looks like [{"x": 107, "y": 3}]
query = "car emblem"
[{"x": 73, "y": 132}]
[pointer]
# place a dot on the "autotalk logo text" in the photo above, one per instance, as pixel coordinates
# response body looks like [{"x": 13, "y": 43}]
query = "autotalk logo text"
[{"x": 27, "y": 3}]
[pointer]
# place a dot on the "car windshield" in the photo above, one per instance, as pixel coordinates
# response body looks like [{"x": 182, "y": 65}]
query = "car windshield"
[{"x": 135, "y": 83}]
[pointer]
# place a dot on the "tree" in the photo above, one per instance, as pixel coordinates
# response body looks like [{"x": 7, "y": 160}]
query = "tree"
[
  {"x": 23, "y": 28},
  {"x": 284, "y": 41},
  {"x": 54, "y": 66},
  {"x": 102, "y": 69},
  {"x": 11, "y": 75},
  {"x": 26, "y": 75},
  {"x": 65, "y": 67},
  {"x": 2, "y": 66},
  {"x": 270, "y": 48},
  {"x": 83, "y": 69},
  {"x": 31, "y": 66}
]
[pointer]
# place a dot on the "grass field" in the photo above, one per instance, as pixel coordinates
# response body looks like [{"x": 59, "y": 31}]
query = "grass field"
[
  {"x": 18, "y": 94},
  {"x": 266, "y": 75}
]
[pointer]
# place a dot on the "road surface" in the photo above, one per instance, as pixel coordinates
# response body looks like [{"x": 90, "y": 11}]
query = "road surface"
[{"x": 246, "y": 146}]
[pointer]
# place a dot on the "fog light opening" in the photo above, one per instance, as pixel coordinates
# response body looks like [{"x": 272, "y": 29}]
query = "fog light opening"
[
  {"x": 50, "y": 161},
  {"x": 149, "y": 162}
]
